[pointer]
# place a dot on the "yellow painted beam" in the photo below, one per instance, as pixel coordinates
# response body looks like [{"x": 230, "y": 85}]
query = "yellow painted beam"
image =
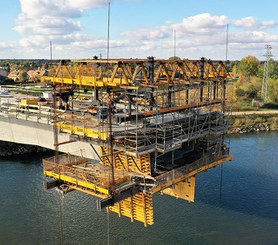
[
  {"x": 88, "y": 132},
  {"x": 77, "y": 182}
]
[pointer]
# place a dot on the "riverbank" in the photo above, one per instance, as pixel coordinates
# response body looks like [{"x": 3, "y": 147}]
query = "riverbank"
[{"x": 253, "y": 122}]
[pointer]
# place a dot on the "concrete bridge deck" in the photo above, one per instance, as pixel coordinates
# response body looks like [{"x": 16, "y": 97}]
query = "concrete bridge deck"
[{"x": 34, "y": 127}]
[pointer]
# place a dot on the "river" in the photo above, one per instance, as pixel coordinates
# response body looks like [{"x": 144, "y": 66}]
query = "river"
[{"x": 234, "y": 204}]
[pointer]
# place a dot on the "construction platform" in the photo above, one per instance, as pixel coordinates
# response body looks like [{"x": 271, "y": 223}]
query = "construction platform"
[{"x": 153, "y": 125}]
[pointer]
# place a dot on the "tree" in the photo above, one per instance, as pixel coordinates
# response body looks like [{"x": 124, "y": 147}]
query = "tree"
[
  {"x": 273, "y": 69},
  {"x": 23, "y": 76},
  {"x": 273, "y": 90},
  {"x": 248, "y": 66},
  {"x": 175, "y": 58}
]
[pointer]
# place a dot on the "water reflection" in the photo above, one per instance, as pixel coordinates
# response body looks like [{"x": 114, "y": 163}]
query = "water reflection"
[{"x": 247, "y": 213}]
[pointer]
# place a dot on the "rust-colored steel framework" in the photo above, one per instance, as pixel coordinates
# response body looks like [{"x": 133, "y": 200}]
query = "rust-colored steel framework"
[{"x": 153, "y": 125}]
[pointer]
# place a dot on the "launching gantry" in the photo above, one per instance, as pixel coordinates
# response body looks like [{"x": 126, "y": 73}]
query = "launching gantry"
[{"x": 152, "y": 124}]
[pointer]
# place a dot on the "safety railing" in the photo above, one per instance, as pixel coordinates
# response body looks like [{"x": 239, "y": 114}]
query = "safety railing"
[
  {"x": 178, "y": 173},
  {"x": 38, "y": 113},
  {"x": 82, "y": 172}
]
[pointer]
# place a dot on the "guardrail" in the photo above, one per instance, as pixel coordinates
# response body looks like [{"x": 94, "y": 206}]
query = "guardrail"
[
  {"x": 82, "y": 172},
  {"x": 174, "y": 176},
  {"x": 38, "y": 113}
]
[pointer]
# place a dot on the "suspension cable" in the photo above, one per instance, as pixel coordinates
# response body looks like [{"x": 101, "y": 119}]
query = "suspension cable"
[{"x": 61, "y": 215}]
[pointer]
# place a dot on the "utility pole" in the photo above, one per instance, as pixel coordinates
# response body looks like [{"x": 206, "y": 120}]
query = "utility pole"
[
  {"x": 227, "y": 41},
  {"x": 108, "y": 31},
  {"x": 50, "y": 50},
  {"x": 174, "y": 43},
  {"x": 264, "y": 91}
]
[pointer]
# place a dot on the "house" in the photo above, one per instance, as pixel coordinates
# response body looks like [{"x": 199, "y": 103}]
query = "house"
[
  {"x": 14, "y": 75},
  {"x": 35, "y": 75}
]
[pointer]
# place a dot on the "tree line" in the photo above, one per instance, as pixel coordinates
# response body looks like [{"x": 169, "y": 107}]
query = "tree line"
[{"x": 249, "y": 73}]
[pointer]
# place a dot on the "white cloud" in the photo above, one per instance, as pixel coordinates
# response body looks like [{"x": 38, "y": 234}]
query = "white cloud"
[
  {"x": 46, "y": 19},
  {"x": 202, "y": 23},
  {"x": 268, "y": 24},
  {"x": 88, "y": 4},
  {"x": 199, "y": 35},
  {"x": 253, "y": 37},
  {"x": 252, "y": 23},
  {"x": 198, "y": 24},
  {"x": 8, "y": 45},
  {"x": 54, "y": 8},
  {"x": 246, "y": 22}
]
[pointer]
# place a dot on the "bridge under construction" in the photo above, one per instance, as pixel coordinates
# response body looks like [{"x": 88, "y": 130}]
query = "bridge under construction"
[{"x": 153, "y": 125}]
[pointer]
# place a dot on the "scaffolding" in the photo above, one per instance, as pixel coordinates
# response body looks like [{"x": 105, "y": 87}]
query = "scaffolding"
[{"x": 148, "y": 121}]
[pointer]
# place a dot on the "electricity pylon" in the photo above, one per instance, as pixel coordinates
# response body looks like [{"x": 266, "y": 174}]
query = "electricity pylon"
[{"x": 264, "y": 91}]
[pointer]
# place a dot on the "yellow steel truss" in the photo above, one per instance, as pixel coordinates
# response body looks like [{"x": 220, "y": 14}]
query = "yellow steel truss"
[{"x": 103, "y": 73}]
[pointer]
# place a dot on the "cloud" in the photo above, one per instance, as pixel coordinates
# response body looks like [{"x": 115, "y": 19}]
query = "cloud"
[
  {"x": 8, "y": 45},
  {"x": 52, "y": 18},
  {"x": 201, "y": 23},
  {"x": 268, "y": 24},
  {"x": 53, "y": 8},
  {"x": 253, "y": 23},
  {"x": 198, "y": 35},
  {"x": 47, "y": 17},
  {"x": 88, "y": 4},
  {"x": 46, "y": 26},
  {"x": 246, "y": 22},
  {"x": 198, "y": 24}
]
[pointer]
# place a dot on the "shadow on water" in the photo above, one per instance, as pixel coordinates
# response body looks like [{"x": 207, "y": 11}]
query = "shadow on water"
[
  {"x": 249, "y": 182},
  {"x": 248, "y": 193}
]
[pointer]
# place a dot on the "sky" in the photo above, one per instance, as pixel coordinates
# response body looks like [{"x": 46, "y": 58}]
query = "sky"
[{"x": 138, "y": 28}]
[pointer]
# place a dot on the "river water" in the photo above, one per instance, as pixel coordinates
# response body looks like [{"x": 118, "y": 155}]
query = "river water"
[{"x": 241, "y": 210}]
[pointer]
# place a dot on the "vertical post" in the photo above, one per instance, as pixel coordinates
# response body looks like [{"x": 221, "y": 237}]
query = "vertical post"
[
  {"x": 227, "y": 41},
  {"x": 55, "y": 129},
  {"x": 50, "y": 50},
  {"x": 187, "y": 94},
  {"x": 202, "y": 70},
  {"x": 169, "y": 96},
  {"x": 111, "y": 141},
  {"x": 108, "y": 30},
  {"x": 96, "y": 94},
  {"x": 174, "y": 42},
  {"x": 214, "y": 89}
]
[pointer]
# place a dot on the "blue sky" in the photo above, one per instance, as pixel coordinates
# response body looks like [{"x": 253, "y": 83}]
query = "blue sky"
[{"x": 139, "y": 28}]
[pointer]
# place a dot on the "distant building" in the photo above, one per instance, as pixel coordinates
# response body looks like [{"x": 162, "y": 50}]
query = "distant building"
[
  {"x": 14, "y": 75},
  {"x": 35, "y": 75}
]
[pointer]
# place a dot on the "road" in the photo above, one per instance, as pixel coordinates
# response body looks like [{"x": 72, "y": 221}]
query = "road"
[{"x": 241, "y": 113}]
